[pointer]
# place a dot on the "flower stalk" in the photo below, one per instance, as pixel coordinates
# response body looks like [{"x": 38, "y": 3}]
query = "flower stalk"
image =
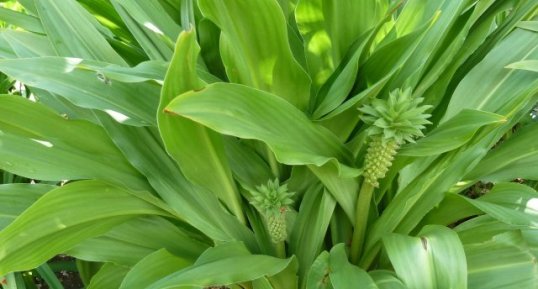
[{"x": 393, "y": 122}]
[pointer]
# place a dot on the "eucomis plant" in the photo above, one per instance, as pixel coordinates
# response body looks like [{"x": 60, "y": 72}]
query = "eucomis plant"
[{"x": 271, "y": 144}]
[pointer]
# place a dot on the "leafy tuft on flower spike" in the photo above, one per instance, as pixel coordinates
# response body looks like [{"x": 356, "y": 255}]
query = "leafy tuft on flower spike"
[
  {"x": 394, "y": 121},
  {"x": 273, "y": 200},
  {"x": 399, "y": 118}
]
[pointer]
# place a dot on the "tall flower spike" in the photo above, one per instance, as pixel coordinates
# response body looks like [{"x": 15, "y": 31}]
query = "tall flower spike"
[
  {"x": 393, "y": 122},
  {"x": 273, "y": 200}
]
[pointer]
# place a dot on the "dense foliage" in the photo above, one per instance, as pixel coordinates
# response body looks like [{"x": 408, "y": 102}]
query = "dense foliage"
[{"x": 270, "y": 143}]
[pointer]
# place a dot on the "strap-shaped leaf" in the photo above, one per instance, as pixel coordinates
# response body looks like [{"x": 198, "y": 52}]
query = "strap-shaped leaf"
[
  {"x": 15, "y": 198},
  {"x": 129, "y": 103},
  {"x": 128, "y": 243},
  {"x": 255, "y": 48},
  {"x": 198, "y": 150},
  {"x": 435, "y": 259},
  {"x": 514, "y": 158},
  {"x": 153, "y": 268},
  {"x": 33, "y": 146},
  {"x": 40, "y": 233},
  {"x": 452, "y": 134},
  {"x": 73, "y": 31},
  {"x": 253, "y": 114},
  {"x": 225, "y": 271},
  {"x": 510, "y": 203}
]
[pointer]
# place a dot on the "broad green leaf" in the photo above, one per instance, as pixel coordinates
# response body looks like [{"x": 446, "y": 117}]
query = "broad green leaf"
[
  {"x": 514, "y": 158},
  {"x": 129, "y": 103},
  {"x": 386, "y": 280},
  {"x": 308, "y": 234},
  {"x": 5, "y": 48},
  {"x": 224, "y": 272},
  {"x": 442, "y": 15},
  {"x": 343, "y": 274},
  {"x": 343, "y": 189},
  {"x": 452, "y": 209},
  {"x": 482, "y": 229},
  {"x": 152, "y": 43},
  {"x": 72, "y": 33},
  {"x": 33, "y": 146},
  {"x": 510, "y": 203},
  {"x": 26, "y": 45},
  {"x": 15, "y": 198},
  {"x": 24, "y": 21},
  {"x": 151, "y": 15},
  {"x": 198, "y": 151},
  {"x": 71, "y": 221},
  {"x": 87, "y": 270},
  {"x": 530, "y": 25},
  {"x": 108, "y": 277},
  {"x": 255, "y": 49},
  {"x": 145, "y": 151},
  {"x": 530, "y": 65},
  {"x": 434, "y": 260},
  {"x": 329, "y": 28},
  {"x": 318, "y": 273},
  {"x": 491, "y": 93},
  {"x": 244, "y": 112},
  {"x": 452, "y": 134},
  {"x": 152, "y": 268},
  {"x": 128, "y": 243},
  {"x": 504, "y": 262},
  {"x": 341, "y": 82},
  {"x": 247, "y": 166}
]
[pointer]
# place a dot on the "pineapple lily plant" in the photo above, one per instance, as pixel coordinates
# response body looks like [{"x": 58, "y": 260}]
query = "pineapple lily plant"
[{"x": 270, "y": 143}]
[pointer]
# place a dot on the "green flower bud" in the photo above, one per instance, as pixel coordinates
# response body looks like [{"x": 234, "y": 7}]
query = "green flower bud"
[
  {"x": 393, "y": 122},
  {"x": 272, "y": 201}
]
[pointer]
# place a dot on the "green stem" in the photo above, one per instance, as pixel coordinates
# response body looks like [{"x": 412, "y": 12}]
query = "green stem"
[
  {"x": 281, "y": 249},
  {"x": 361, "y": 220},
  {"x": 271, "y": 159}
]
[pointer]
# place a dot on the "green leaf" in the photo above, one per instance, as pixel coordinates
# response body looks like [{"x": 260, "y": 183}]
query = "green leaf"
[
  {"x": 152, "y": 43},
  {"x": 252, "y": 114},
  {"x": 71, "y": 221},
  {"x": 490, "y": 263},
  {"x": 343, "y": 189},
  {"x": 308, "y": 234},
  {"x": 510, "y": 203},
  {"x": 386, "y": 280},
  {"x": 198, "y": 151},
  {"x": 343, "y": 274},
  {"x": 514, "y": 158},
  {"x": 255, "y": 48},
  {"x": 129, "y": 103},
  {"x": 26, "y": 45},
  {"x": 491, "y": 93},
  {"x": 24, "y": 21},
  {"x": 530, "y": 25},
  {"x": 224, "y": 272},
  {"x": 330, "y": 28},
  {"x": 434, "y": 260},
  {"x": 530, "y": 65},
  {"x": 152, "y": 15},
  {"x": 152, "y": 268},
  {"x": 73, "y": 32},
  {"x": 128, "y": 243},
  {"x": 15, "y": 198},
  {"x": 452, "y": 134},
  {"x": 145, "y": 151},
  {"x": 33, "y": 146},
  {"x": 108, "y": 277},
  {"x": 318, "y": 274}
]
